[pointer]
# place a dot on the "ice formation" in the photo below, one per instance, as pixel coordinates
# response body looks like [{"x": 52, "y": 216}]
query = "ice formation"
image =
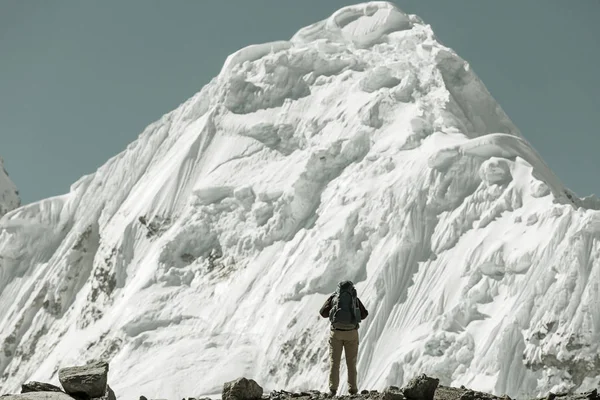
[{"x": 360, "y": 149}]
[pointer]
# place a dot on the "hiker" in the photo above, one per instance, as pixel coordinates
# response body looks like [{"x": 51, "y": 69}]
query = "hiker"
[{"x": 345, "y": 312}]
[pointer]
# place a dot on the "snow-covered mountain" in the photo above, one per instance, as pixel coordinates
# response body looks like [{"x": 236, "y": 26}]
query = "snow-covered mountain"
[
  {"x": 360, "y": 149},
  {"x": 9, "y": 196}
]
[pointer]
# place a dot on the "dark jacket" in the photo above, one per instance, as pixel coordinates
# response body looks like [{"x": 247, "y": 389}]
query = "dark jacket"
[{"x": 327, "y": 307}]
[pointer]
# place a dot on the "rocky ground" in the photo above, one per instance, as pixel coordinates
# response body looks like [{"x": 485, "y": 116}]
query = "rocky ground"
[
  {"x": 90, "y": 382},
  {"x": 441, "y": 393}
]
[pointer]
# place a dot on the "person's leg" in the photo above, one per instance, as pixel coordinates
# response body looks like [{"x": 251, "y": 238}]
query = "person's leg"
[
  {"x": 335, "y": 355},
  {"x": 351, "y": 351}
]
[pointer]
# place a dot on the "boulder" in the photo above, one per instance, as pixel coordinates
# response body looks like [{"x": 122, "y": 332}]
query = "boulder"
[
  {"x": 421, "y": 387},
  {"x": 593, "y": 395},
  {"x": 87, "y": 381},
  {"x": 392, "y": 393},
  {"x": 469, "y": 394},
  {"x": 34, "y": 386},
  {"x": 108, "y": 395},
  {"x": 242, "y": 389}
]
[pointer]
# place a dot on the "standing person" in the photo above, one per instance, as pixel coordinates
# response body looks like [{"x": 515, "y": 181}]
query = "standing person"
[{"x": 345, "y": 312}]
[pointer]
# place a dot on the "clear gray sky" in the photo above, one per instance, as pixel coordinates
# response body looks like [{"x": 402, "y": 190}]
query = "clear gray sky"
[{"x": 80, "y": 79}]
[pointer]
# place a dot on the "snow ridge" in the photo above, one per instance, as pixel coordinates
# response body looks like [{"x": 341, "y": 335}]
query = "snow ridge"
[{"x": 361, "y": 149}]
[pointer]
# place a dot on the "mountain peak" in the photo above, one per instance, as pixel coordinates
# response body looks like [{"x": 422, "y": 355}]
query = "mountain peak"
[{"x": 388, "y": 48}]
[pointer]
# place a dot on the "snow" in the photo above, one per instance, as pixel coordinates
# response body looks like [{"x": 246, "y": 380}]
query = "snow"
[
  {"x": 362, "y": 25},
  {"x": 253, "y": 53},
  {"x": 361, "y": 149}
]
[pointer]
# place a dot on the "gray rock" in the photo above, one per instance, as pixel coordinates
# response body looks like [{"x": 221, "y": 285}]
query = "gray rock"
[
  {"x": 108, "y": 395},
  {"x": 392, "y": 393},
  {"x": 593, "y": 395},
  {"x": 87, "y": 381},
  {"x": 468, "y": 395},
  {"x": 473, "y": 395},
  {"x": 421, "y": 387},
  {"x": 38, "y": 396},
  {"x": 34, "y": 386},
  {"x": 242, "y": 389}
]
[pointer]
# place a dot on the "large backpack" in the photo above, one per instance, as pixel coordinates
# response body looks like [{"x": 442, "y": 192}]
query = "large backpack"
[{"x": 345, "y": 313}]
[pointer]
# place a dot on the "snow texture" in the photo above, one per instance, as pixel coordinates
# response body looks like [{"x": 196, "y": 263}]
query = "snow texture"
[{"x": 361, "y": 149}]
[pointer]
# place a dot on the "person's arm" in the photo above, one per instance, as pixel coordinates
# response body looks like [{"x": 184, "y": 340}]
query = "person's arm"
[
  {"x": 363, "y": 311},
  {"x": 326, "y": 308}
]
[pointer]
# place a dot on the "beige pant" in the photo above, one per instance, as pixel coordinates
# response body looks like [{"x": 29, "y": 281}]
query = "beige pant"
[{"x": 347, "y": 341}]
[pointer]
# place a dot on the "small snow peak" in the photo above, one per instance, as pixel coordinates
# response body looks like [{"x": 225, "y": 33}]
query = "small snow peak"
[
  {"x": 9, "y": 196},
  {"x": 253, "y": 52},
  {"x": 362, "y": 24}
]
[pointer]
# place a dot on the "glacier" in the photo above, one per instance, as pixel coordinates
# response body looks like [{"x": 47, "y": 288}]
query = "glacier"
[{"x": 363, "y": 149}]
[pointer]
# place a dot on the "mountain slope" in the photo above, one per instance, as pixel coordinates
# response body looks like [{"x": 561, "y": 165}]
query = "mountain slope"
[
  {"x": 9, "y": 196},
  {"x": 360, "y": 149}
]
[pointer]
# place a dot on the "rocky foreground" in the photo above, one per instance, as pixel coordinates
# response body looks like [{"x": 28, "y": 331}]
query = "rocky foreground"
[{"x": 90, "y": 382}]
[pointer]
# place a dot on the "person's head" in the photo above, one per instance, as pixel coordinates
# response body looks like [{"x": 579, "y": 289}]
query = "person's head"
[{"x": 346, "y": 286}]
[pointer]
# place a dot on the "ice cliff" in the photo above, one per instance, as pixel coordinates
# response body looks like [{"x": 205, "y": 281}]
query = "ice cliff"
[{"x": 359, "y": 149}]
